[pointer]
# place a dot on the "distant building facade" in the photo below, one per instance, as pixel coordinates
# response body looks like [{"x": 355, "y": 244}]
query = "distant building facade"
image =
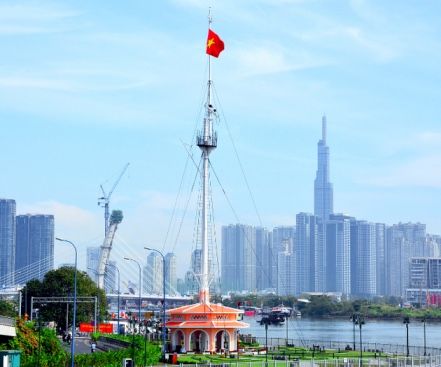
[
  {"x": 338, "y": 254},
  {"x": 363, "y": 259},
  {"x": 110, "y": 283},
  {"x": 153, "y": 273},
  {"x": 287, "y": 281},
  {"x": 7, "y": 242},
  {"x": 34, "y": 252},
  {"x": 238, "y": 258},
  {"x": 92, "y": 260},
  {"x": 282, "y": 239},
  {"x": 171, "y": 284}
]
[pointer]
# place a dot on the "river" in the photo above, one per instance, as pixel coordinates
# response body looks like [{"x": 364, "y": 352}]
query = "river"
[{"x": 341, "y": 330}]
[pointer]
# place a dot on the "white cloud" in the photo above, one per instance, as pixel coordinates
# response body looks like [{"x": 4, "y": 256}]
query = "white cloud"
[
  {"x": 18, "y": 19},
  {"x": 272, "y": 59},
  {"x": 36, "y": 83},
  {"x": 424, "y": 171},
  {"x": 29, "y": 12}
]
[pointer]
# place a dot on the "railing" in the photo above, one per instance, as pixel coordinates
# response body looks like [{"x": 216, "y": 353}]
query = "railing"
[
  {"x": 434, "y": 361},
  {"x": 396, "y": 349}
]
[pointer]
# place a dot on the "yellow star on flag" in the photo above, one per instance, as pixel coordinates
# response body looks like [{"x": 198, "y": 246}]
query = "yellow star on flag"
[{"x": 210, "y": 42}]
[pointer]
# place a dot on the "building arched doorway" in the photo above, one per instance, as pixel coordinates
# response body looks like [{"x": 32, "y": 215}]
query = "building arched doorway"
[
  {"x": 199, "y": 341},
  {"x": 222, "y": 341},
  {"x": 178, "y": 341}
]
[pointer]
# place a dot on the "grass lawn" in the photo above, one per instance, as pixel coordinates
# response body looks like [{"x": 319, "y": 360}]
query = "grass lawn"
[{"x": 291, "y": 353}]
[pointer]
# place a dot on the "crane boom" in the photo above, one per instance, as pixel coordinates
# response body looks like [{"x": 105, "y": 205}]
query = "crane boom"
[
  {"x": 115, "y": 219},
  {"x": 105, "y": 199}
]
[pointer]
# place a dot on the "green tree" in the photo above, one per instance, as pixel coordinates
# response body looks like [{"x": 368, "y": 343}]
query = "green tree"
[
  {"x": 8, "y": 308},
  {"x": 319, "y": 306},
  {"x": 60, "y": 283}
]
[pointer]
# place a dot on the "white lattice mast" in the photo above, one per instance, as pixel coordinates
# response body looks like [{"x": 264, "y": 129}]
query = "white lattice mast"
[{"x": 207, "y": 142}]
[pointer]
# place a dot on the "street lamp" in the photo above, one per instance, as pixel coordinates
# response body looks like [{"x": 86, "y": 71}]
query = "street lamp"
[
  {"x": 354, "y": 321},
  {"x": 406, "y": 321},
  {"x": 163, "y": 295},
  {"x": 360, "y": 322},
  {"x": 96, "y": 300},
  {"x": 266, "y": 320},
  {"x": 72, "y": 346},
  {"x": 139, "y": 267},
  {"x": 119, "y": 286},
  {"x": 424, "y": 330}
]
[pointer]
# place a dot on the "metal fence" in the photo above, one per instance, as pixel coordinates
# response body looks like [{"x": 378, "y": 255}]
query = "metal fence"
[
  {"x": 396, "y": 349},
  {"x": 419, "y": 361}
]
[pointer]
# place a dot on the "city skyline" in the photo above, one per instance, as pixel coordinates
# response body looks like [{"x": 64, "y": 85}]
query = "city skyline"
[{"x": 87, "y": 89}]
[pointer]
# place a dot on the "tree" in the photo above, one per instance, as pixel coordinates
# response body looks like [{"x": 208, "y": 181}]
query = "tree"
[
  {"x": 319, "y": 306},
  {"x": 7, "y": 308},
  {"x": 60, "y": 283}
]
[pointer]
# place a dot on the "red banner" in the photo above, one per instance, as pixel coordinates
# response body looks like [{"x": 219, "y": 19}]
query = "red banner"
[
  {"x": 105, "y": 328},
  {"x": 86, "y": 327},
  {"x": 102, "y": 328}
]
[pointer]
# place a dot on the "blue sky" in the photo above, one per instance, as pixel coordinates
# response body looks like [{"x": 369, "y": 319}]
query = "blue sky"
[{"x": 87, "y": 86}]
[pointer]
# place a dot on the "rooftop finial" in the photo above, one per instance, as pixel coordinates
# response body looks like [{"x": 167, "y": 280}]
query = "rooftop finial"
[{"x": 324, "y": 128}]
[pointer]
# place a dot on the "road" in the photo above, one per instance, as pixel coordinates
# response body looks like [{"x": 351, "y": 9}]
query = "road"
[{"x": 82, "y": 345}]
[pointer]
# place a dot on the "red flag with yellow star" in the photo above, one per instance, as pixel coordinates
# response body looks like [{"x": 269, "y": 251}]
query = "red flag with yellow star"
[{"x": 214, "y": 44}]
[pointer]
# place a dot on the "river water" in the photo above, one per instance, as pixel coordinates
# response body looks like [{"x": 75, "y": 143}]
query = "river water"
[{"x": 341, "y": 330}]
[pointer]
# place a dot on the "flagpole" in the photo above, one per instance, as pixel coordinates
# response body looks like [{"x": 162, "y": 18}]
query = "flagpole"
[{"x": 209, "y": 56}]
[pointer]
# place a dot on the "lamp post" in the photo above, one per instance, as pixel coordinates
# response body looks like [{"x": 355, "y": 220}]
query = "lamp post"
[
  {"x": 354, "y": 321},
  {"x": 139, "y": 267},
  {"x": 72, "y": 346},
  {"x": 265, "y": 320},
  {"x": 132, "y": 324},
  {"x": 406, "y": 321},
  {"x": 96, "y": 301},
  {"x": 119, "y": 286},
  {"x": 163, "y": 295},
  {"x": 424, "y": 331},
  {"x": 360, "y": 322}
]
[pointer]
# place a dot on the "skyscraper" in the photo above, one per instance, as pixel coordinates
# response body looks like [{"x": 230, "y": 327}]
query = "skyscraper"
[
  {"x": 153, "y": 273},
  {"x": 110, "y": 278},
  {"x": 307, "y": 237},
  {"x": 323, "y": 193},
  {"x": 363, "y": 258},
  {"x": 280, "y": 236},
  {"x": 263, "y": 259},
  {"x": 238, "y": 258},
  {"x": 7, "y": 242},
  {"x": 34, "y": 254},
  {"x": 170, "y": 274},
  {"x": 286, "y": 281},
  {"x": 92, "y": 260},
  {"x": 380, "y": 232},
  {"x": 338, "y": 254}
]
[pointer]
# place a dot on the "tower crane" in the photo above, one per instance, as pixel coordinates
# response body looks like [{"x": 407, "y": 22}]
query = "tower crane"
[{"x": 105, "y": 199}]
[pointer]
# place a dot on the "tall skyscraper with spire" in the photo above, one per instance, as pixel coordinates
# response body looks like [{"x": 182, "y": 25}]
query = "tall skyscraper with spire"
[{"x": 323, "y": 192}]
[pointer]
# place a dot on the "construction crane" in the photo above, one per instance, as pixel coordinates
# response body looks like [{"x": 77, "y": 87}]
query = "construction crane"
[
  {"x": 105, "y": 200},
  {"x": 115, "y": 219}
]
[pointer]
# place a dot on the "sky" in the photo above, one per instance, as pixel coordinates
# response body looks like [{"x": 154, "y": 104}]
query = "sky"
[{"x": 88, "y": 86}]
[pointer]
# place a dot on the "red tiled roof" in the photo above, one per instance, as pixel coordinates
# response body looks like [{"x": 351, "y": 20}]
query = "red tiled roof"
[{"x": 205, "y": 308}]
